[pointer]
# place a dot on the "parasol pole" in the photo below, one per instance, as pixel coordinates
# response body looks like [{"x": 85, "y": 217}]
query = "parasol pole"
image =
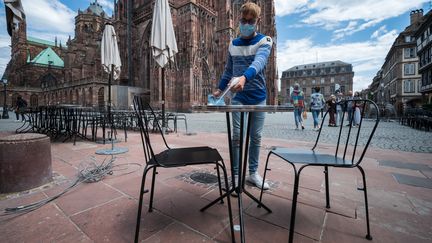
[{"x": 163, "y": 100}]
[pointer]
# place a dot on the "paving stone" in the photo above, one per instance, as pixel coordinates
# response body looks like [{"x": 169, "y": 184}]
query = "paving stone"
[
  {"x": 428, "y": 174},
  {"x": 421, "y": 207},
  {"x": 259, "y": 231},
  {"x": 410, "y": 225},
  {"x": 116, "y": 221},
  {"x": 309, "y": 220},
  {"x": 185, "y": 207},
  {"x": 83, "y": 196},
  {"x": 413, "y": 180},
  {"x": 280, "y": 125},
  {"x": 405, "y": 165},
  {"x": 341, "y": 229},
  {"x": 386, "y": 199},
  {"x": 176, "y": 232},
  {"x": 399, "y": 212},
  {"x": 20, "y": 199},
  {"x": 47, "y": 224}
]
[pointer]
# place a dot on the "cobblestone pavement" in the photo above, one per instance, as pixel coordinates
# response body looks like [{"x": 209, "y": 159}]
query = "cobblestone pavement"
[{"x": 389, "y": 134}]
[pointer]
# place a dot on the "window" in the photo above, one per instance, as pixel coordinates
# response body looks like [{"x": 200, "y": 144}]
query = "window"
[
  {"x": 409, "y": 53},
  {"x": 409, "y": 69},
  {"x": 322, "y": 80},
  {"x": 343, "y": 79},
  {"x": 322, "y": 90},
  {"x": 332, "y": 80},
  {"x": 409, "y": 86},
  {"x": 288, "y": 91},
  {"x": 342, "y": 89},
  {"x": 313, "y": 81},
  {"x": 304, "y": 82},
  {"x": 332, "y": 89},
  {"x": 419, "y": 84},
  {"x": 407, "y": 38}
]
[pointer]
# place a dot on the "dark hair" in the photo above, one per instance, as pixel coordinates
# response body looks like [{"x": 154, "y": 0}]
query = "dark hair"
[{"x": 317, "y": 89}]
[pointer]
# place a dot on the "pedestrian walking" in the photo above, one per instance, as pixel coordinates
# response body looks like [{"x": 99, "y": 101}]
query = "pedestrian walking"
[
  {"x": 297, "y": 99},
  {"x": 339, "y": 108},
  {"x": 356, "y": 109},
  {"x": 316, "y": 104},
  {"x": 20, "y": 106},
  {"x": 349, "y": 107},
  {"x": 331, "y": 106}
]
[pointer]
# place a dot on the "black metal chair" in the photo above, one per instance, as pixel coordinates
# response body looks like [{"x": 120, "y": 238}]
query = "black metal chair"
[
  {"x": 171, "y": 158},
  {"x": 348, "y": 140}
]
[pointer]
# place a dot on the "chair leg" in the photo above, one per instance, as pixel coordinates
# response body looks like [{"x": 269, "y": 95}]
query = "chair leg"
[
  {"x": 152, "y": 189},
  {"x": 228, "y": 200},
  {"x": 368, "y": 236},
  {"x": 264, "y": 177},
  {"x": 294, "y": 204},
  {"x": 140, "y": 204},
  {"x": 327, "y": 187},
  {"x": 220, "y": 184}
]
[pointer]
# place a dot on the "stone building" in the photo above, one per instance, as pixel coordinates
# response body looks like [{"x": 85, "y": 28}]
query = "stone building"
[
  {"x": 423, "y": 40},
  {"x": 327, "y": 75},
  {"x": 203, "y": 30},
  {"x": 400, "y": 75},
  {"x": 49, "y": 73},
  {"x": 377, "y": 89}
]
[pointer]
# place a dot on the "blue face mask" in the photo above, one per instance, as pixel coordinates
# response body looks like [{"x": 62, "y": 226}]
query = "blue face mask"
[{"x": 247, "y": 30}]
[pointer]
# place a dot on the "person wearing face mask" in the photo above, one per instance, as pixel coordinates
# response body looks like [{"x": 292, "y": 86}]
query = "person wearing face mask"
[{"x": 247, "y": 59}]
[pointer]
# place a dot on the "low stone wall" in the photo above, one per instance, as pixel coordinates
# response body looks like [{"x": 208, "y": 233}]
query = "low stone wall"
[{"x": 25, "y": 162}]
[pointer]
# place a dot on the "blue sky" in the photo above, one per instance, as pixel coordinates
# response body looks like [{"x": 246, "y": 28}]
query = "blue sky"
[{"x": 354, "y": 31}]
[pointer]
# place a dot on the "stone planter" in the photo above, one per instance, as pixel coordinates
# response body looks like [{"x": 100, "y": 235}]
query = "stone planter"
[{"x": 25, "y": 162}]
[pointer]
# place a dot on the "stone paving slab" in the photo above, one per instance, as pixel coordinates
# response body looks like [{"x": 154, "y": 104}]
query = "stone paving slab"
[
  {"x": 405, "y": 165},
  {"x": 413, "y": 180},
  {"x": 106, "y": 211}
]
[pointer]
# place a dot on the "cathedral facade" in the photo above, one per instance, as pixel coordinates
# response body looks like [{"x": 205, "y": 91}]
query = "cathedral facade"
[{"x": 203, "y": 31}]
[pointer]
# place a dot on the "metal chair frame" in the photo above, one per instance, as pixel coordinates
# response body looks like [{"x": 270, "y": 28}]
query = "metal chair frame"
[
  {"x": 154, "y": 161},
  {"x": 339, "y": 162}
]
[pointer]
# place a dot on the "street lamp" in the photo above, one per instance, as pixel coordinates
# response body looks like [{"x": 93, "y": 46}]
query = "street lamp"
[{"x": 5, "y": 111}]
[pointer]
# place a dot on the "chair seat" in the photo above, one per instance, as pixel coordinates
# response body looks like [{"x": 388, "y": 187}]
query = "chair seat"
[
  {"x": 310, "y": 157},
  {"x": 186, "y": 156}
]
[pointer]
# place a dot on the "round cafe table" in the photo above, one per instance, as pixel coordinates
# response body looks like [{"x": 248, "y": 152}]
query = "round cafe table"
[{"x": 243, "y": 153}]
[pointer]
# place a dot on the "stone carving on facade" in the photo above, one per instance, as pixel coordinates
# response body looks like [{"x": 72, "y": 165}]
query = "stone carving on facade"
[{"x": 203, "y": 30}]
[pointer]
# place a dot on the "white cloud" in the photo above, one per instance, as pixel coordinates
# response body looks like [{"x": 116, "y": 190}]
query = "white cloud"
[
  {"x": 107, "y": 5},
  {"x": 341, "y": 33},
  {"x": 329, "y": 11},
  {"x": 379, "y": 31},
  {"x": 366, "y": 57},
  {"x": 354, "y": 15},
  {"x": 285, "y": 7},
  {"x": 49, "y": 15},
  {"x": 45, "y": 19}
]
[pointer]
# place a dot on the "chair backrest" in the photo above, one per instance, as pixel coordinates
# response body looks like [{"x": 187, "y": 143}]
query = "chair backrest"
[
  {"x": 353, "y": 142},
  {"x": 145, "y": 114}
]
